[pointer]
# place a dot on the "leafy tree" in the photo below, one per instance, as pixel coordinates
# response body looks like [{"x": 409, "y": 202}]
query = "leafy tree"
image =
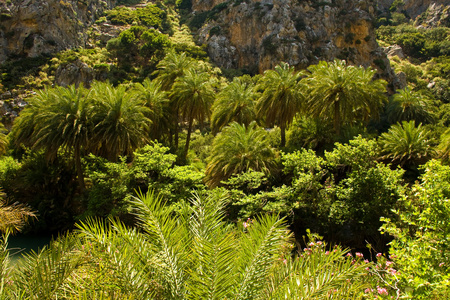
[
  {"x": 344, "y": 193},
  {"x": 343, "y": 93},
  {"x": 407, "y": 105},
  {"x": 121, "y": 122},
  {"x": 406, "y": 144},
  {"x": 193, "y": 94},
  {"x": 239, "y": 148},
  {"x": 421, "y": 229},
  {"x": 138, "y": 45},
  {"x": 281, "y": 97},
  {"x": 236, "y": 102}
]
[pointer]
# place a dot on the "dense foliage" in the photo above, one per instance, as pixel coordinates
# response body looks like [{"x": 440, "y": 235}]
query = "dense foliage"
[{"x": 336, "y": 156}]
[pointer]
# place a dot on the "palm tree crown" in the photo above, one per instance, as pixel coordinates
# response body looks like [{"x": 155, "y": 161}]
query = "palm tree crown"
[
  {"x": 121, "y": 122},
  {"x": 236, "y": 102},
  {"x": 236, "y": 149},
  {"x": 171, "y": 67},
  {"x": 405, "y": 143},
  {"x": 152, "y": 96},
  {"x": 343, "y": 93},
  {"x": 281, "y": 98},
  {"x": 407, "y": 105},
  {"x": 57, "y": 118}
]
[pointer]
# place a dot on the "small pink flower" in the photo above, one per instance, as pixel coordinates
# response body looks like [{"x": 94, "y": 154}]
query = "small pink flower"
[
  {"x": 392, "y": 271},
  {"x": 441, "y": 264},
  {"x": 349, "y": 254},
  {"x": 245, "y": 225},
  {"x": 366, "y": 261},
  {"x": 327, "y": 252},
  {"x": 368, "y": 290},
  {"x": 358, "y": 254},
  {"x": 311, "y": 244},
  {"x": 382, "y": 291},
  {"x": 285, "y": 261},
  {"x": 379, "y": 254},
  {"x": 319, "y": 243},
  {"x": 388, "y": 263}
]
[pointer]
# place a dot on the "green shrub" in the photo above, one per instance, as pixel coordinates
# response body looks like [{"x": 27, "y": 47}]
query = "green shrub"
[{"x": 421, "y": 230}]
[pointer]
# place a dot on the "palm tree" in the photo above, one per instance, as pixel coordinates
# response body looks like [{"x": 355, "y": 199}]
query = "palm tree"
[
  {"x": 407, "y": 105},
  {"x": 189, "y": 253},
  {"x": 406, "y": 144},
  {"x": 239, "y": 148},
  {"x": 193, "y": 94},
  {"x": 57, "y": 118},
  {"x": 170, "y": 68},
  {"x": 121, "y": 122},
  {"x": 343, "y": 93},
  {"x": 151, "y": 94},
  {"x": 281, "y": 98},
  {"x": 236, "y": 102}
]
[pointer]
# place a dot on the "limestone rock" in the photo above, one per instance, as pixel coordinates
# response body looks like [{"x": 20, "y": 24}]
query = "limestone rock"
[
  {"x": 258, "y": 35},
  {"x": 394, "y": 50},
  {"x": 426, "y": 13},
  {"x": 74, "y": 73},
  {"x": 30, "y": 28}
]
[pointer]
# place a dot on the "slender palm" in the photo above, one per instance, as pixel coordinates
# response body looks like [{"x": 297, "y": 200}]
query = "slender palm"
[
  {"x": 170, "y": 68},
  {"x": 343, "y": 93},
  {"x": 236, "y": 102},
  {"x": 281, "y": 98},
  {"x": 157, "y": 101},
  {"x": 121, "y": 122},
  {"x": 406, "y": 144},
  {"x": 237, "y": 149},
  {"x": 407, "y": 105},
  {"x": 193, "y": 94},
  {"x": 57, "y": 118}
]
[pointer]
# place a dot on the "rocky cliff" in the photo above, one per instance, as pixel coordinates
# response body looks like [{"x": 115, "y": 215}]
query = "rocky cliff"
[
  {"x": 256, "y": 35},
  {"x": 30, "y": 28},
  {"x": 428, "y": 13}
]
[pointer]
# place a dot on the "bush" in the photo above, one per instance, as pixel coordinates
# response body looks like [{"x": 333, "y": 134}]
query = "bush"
[{"x": 420, "y": 250}]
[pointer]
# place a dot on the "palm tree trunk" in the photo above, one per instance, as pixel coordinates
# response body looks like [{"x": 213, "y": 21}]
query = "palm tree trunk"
[
  {"x": 283, "y": 135},
  {"x": 176, "y": 128},
  {"x": 188, "y": 138},
  {"x": 79, "y": 168},
  {"x": 337, "y": 118}
]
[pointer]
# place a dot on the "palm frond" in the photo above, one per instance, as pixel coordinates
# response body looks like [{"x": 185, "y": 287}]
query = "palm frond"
[
  {"x": 258, "y": 246},
  {"x": 168, "y": 236}
]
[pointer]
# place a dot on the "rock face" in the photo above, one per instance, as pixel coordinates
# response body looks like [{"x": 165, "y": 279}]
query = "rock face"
[
  {"x": 257, "y": 35},
  {"x": 30, "y": 28},
  {"x": 427, "y": 13}
]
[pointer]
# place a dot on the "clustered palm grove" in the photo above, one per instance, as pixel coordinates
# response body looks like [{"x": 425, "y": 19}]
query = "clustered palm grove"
[{"x": 189, "y": 186}]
